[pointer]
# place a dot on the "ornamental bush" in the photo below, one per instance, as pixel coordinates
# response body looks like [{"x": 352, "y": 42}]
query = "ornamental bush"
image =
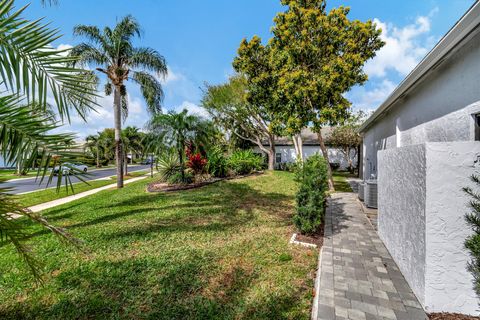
[
  {"x": 313, "y": 179},
  {"x": 217, "y": 163},
  {"x": 473, "y": 242},
  {"x": 244, "y": 162}
]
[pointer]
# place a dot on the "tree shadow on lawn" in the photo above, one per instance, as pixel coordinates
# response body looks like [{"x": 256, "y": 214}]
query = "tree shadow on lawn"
[{"x": 177, "y": 288}]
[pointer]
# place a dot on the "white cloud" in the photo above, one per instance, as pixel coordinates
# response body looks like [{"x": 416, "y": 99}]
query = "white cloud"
[
  {"x": 404, "y": 47},
  {"x": 192, "y": 108},
  {"x": 368, "y": 100},
  {"x": 172, "y": 76}
]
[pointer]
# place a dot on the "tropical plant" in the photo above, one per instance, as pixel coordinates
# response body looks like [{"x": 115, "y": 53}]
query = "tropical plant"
[
  {"x": 168, "y": 165},
  {"x": 472, "y": 243},
  {"x": 244, "y": 162},
  {"x": 179, "y": 178},
  {"x": 30, "y": 71},
  {"x": 196, "y": 162},
  {"x": 132, "y": 144},
  {"x": 217, "y": 163},
  {"x": 93, "y": 144},
  {"x": 112, "y": 50},
  {"x": 175, "y": 130},
  {"x": 313, "y": 179}
]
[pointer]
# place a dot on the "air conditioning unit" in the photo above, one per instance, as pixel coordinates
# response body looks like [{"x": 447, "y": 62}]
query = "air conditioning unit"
[
  {"x": 361, "y": 191},
  {"x": 371, "y": 194}
]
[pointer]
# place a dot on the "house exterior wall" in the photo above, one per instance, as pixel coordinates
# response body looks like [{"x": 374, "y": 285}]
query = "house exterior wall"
[
  {"x": 449, "y": 285},
  {"x": 421, "y": 220},
  {"x": 401, "y": 207},
  {"x": 439, "y": 109},
  {"x": 289, "y": 155}
]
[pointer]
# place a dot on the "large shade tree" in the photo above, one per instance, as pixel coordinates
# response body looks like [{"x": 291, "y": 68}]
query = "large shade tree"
[
  {"x": 319, "y": 56},
  {"x": 30, "y": 71},
  {"x": 113, "y": 52},
  {"x": 239, "y": 111}
]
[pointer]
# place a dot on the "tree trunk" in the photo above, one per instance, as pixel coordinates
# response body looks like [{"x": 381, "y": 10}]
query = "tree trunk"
[
  {"x": 126, "y": 163},
  {"x": 180, "y": 158},
  {"x": 325, "y": 155},
  {"x": 271, "y": 153},
  {"x": 117, "y": 114},
  {"x": 98, "y": 156},
  {"x": 300, "y": 145}
]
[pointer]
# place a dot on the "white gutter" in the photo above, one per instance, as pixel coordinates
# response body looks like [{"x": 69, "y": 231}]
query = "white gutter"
[{"x": 461, "y": 30}]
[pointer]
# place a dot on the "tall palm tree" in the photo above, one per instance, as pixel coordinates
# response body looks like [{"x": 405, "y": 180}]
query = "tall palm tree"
[
  {"x": 175, "y": 130},
  {"x": 113, "y": 52}
]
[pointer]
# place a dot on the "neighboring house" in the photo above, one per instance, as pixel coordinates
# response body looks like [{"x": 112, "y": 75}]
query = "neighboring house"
[
  {"x": 285, "y": 150},
  {"x": 423, "y": 144}
]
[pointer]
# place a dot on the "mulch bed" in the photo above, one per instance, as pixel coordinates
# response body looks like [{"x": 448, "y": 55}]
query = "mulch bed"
[
  {"x": 450, "y": 316},
  {"x": 316, "y": 238},
  {"x": 165, "y": 187}
]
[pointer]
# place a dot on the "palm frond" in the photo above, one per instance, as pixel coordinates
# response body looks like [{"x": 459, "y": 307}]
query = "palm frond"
[
  {"x": 28, "y": 65},
  {"x": 148, "y": 59},
  {"x": 151, "y": 90}
]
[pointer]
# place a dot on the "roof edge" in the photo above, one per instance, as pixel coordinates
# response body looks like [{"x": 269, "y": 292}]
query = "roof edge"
[{"x": 462, "y": 29}]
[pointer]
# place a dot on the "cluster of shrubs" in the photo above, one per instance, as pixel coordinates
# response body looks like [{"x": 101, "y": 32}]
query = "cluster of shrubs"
[
  {"x": 313, "y": 184},
  {"x": 199, "y": 165}
]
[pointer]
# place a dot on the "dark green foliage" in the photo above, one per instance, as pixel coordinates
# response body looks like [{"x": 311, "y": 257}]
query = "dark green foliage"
[
  {"x": 179, "y": 178},
  {"x": 313, "y": 179},
  {"x": 472, "y": 243},
  {"x": 168, "y": 165},
  {"x": 217, "y": 163},
  {"x": 244, "y": 162}
]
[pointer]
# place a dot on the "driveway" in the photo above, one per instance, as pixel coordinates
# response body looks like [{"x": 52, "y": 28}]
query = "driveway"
[{"x": 32, "y": 184}]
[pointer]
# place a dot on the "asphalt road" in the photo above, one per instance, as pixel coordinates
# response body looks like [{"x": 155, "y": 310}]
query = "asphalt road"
[{"x": 31, "y": 184}]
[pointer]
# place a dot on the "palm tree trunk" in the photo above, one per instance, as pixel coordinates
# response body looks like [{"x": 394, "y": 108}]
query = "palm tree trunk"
[
  {"x": 98, "y": 156},
  {"x": 117, "y": 114},
  {"x": 325, "y": 156},
  {"x": 126, "y": 162}
]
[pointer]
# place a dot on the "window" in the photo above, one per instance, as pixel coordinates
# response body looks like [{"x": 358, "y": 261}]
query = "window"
[
  {"x": 278, "y": 158},
  {"x": 476, "y": 117}
]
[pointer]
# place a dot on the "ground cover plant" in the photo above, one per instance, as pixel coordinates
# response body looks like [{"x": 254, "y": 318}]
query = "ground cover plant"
[
  {"x": 340, "y": 181},
  {"x": 219, "y": 252}
]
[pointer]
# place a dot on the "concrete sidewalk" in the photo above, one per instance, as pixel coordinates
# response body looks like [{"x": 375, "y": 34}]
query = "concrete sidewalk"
[
  {"x": 358, "y": 278},
  {"x": 58, "y": 202}
]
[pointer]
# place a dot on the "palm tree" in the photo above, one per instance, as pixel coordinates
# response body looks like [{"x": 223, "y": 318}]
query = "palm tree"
[
  {"x": 32, "y": 70},
  {"x": 113, "y": 52},
  {"x": 175, "y": 130},
  {"x": 93, "y": 143},
  {"x": 132, "y": 143}
]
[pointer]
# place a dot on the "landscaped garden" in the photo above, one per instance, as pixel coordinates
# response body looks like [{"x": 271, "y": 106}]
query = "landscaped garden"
[{"x": 216, "y": 252}]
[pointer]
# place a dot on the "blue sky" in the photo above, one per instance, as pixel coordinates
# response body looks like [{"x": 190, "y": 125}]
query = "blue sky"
[{"x": 199, "y": 40}]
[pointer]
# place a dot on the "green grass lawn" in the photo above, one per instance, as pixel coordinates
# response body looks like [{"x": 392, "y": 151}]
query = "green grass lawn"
[
  {"x": 218, "y": 252},
  {"x": 340, "y": 181},
  {"x": 37, "y": 197},
  {"x": 7, "y": 174}
]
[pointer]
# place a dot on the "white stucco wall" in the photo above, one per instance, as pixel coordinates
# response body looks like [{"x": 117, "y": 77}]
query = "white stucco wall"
[
  {"x": 401, "y": 208},
  {"x": 421, "y": 220},
  {"x": 439, "y": 109},
  {"x": 290, "y": 155},
  {"x": 448, "y": 283}
]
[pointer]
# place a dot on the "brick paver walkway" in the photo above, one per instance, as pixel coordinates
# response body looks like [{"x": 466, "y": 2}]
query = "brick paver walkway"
[{"x": 358, "y": 277}]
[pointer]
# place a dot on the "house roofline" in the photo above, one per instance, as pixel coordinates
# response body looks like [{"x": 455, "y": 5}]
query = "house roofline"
[{"x": 459, "y": 32}]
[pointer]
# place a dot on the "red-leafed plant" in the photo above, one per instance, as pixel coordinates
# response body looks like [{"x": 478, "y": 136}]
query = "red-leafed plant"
[{"x": 196, "y": 162}]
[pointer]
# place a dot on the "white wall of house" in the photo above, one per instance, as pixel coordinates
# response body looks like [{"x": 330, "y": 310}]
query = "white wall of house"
[
  {"x": 440, "y": 108},
  {"x": 289, "y": 155},
  {"x": 421, "y": 220}
]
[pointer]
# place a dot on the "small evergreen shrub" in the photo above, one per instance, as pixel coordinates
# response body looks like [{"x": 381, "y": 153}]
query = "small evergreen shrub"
[
  {"x": 313, "y": 179},
  {"x": 177, "y": 178},
  {"x": 244, "y": 162},
  {"x": 217, "y": 163},
  {"x": 473, "y": 242}
]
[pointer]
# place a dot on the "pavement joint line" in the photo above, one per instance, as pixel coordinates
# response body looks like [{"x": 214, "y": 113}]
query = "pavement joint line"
[{"x": 58, "y": 202}]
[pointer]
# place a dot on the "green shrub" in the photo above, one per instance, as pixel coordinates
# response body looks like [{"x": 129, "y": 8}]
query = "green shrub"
[
  {"x": 244, "y": 162},
  {"x": 313, "y": 179},
  {"x": 168, "y": 166},
  {"x": 472, "y": 243},
  {"x": 217, "y": 163},
  {"x": 177, "y": 178}
]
